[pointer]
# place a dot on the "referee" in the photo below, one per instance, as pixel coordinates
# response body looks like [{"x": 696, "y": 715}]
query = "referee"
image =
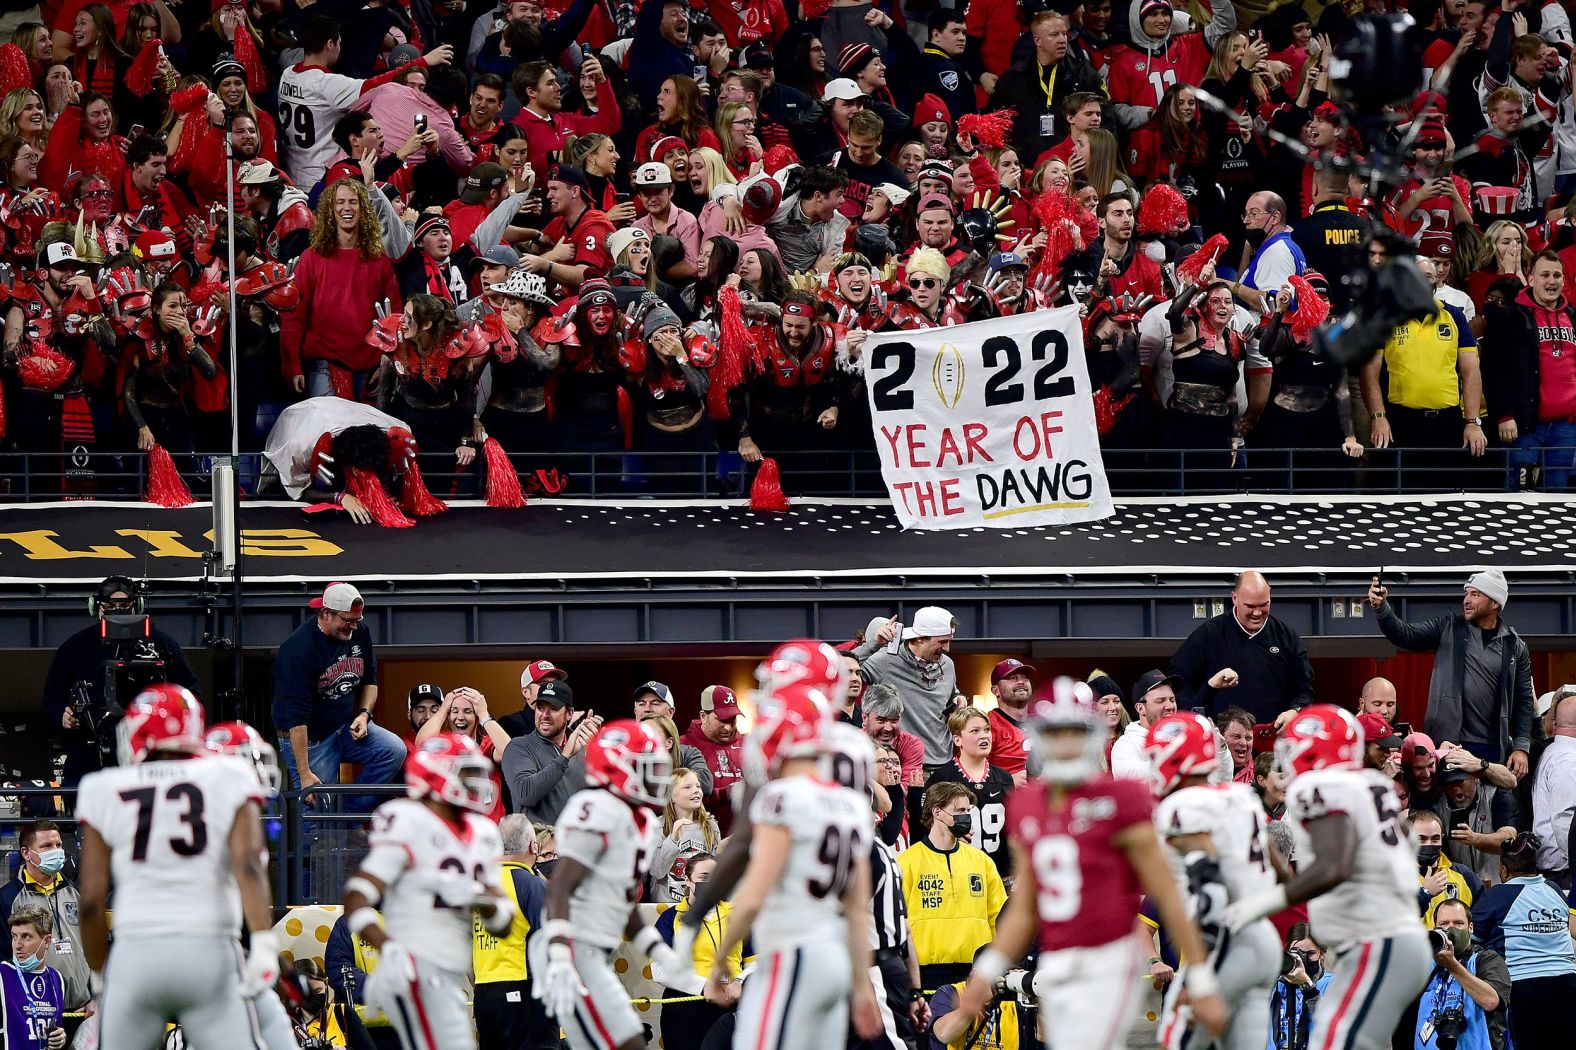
[
  {"x": 508, "y": 1016},
  {"x": 896, "y": 965}
]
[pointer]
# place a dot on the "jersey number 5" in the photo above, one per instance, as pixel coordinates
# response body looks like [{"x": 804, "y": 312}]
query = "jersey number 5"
[
  {"x": 1389, "y": 810},
  {"x": 146, "y": 798}
]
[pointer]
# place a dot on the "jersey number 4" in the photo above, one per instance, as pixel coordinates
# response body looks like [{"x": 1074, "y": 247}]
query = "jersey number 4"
[{"x": 196, "y": 839}]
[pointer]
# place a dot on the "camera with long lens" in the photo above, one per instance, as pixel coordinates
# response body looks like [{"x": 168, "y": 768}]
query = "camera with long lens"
[
  {"x": 1437, "y": 941},
  {"x": 1291, "y": 959},
  {"x": 1021, "y": 984},
  {"x": 1448, "y": 1026},
  {"x": 313, "y": 1042}
]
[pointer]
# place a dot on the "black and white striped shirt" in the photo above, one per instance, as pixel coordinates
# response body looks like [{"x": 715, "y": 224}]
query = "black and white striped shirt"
[{"x": 890, "y": 928}]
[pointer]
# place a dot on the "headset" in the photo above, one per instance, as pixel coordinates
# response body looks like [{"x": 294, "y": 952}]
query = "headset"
[{"x": 109, "y": 587}]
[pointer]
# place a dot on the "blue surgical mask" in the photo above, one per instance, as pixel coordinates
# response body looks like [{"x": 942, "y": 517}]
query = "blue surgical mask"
[
  {"x": 50, "y": 861},
  {"x": 31, "y": 963}
]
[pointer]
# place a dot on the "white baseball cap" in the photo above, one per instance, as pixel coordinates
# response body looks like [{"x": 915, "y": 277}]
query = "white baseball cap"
[
  {"x": 842, "y": 88},
  {"x": 931, "y": 621},
  {"x": 338, "y": 597},
  {"x": 654, "y": 175}
]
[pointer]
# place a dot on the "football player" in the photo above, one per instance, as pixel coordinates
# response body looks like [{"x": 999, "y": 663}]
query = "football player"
[
  {"x": 177, "y": 831},
  {"x": 240, "y": 740},
  {"x": 606, "y": 835},
  {"x": 431, "y": 866},
  {"x": 1222, "y": 853},
  {"x": 805, "y": 895},
  {"x": 1358, "y": 873},
  {"x": 1084, "y": 849}
]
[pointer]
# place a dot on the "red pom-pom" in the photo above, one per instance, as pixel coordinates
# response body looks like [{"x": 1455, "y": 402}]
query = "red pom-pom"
[
  {"x": 15, "y": 73},
  {"x": 139, "y": 76},
  {"x": 44, "y": 368},
  {"x": 990, "y": 130},
  {"x": 766, "y": 492},
  {"x": 1162, "y": 212},
  {"x": 1310, "y": 311},
  {"x": 809, "y": 9},
  {"x": 414, "y": 498},
  {"x": 189, "y": 99},
  {"x": 375, "y": 498},
  {"x": 246, "y": 54},
  {"x": 1188, "y": 270},
  {"x": 1054, "y": 211},
  {"x": 503, "y": 484},
  {"x": 733, "y": 351},
  {"x": 779, "y": 157},
  {"x": 165, "y": 486}
]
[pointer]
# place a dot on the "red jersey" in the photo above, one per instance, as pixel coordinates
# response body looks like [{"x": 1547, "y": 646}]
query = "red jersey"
[
  {"x": 589, "y": 235},
  {"x": 1433, "y": 219},
  {"x": 1139, "y": 77},
  {"x": 1088, "y": 892},
  {"x": 746, "y": 21},
  {"x": 1006, "y": 749}
]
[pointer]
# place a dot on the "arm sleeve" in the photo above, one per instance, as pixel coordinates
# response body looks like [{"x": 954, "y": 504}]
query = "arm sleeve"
[
  {"x": 293, "y": 692},
  {"x": 1222, "y": 23},
  {"x": 1521, "y": 699},
  {"x": 995, "y": 892},
  {"x": 891, "y": 825},
  {"x": 530, "y": 893},
  {"x": 694, "y": 760},
  {"x": 581, "y": 845},
  {"x": 396, "y": 235},
  {"x": 492, "y": 228},
  {"x": 1189, "y": 663},
  {"x": 1301, "y": 693},
  {"x": 1417, "y": 637},
  {"x": 386, "y": 861}
]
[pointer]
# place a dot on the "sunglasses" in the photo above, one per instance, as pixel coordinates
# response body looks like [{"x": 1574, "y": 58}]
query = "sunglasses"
[{"x": 924, "y": 282}]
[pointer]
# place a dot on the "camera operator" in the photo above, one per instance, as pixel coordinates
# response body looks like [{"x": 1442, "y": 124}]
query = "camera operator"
[
  {"x": 1302, "y": 981},
  {"x": 1465, "y": 1001},
  {"x": 995, "y": 1028},
  {"x": 98, "y": 669},
  {"x": 319, "y": 1020}
]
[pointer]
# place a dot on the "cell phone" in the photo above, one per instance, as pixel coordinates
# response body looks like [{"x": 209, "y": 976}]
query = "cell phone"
[
  {"x": 421, "y": 123},
  {"x": 136, "y": 129},
  {"x": 1404, "y": 729}
]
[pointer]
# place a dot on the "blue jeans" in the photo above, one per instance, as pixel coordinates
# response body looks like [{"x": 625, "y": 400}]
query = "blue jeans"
[
  {"x": 1559, "y": 439},
  {"x": 380, "y": 754},
  {"x": 318, "y": 384}
]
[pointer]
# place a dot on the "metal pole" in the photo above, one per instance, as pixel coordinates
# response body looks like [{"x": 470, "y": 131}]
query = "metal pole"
[{"x": 237, "y": 651}]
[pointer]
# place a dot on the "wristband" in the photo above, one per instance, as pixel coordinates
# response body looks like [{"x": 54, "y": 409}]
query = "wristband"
[
  {"x": 991, "y": 965},
  {"x": 360, "y": 919},
  {"x": 558, "y": 930},
  {"x": 917, "y": 995},
  {"x": 647, "y": 939},
  {"x": 365, "y": 887},
  {"x": 1201, "y": 982}
]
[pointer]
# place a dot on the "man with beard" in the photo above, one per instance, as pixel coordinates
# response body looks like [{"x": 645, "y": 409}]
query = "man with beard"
[
  {"x": 1012, "y": 685},
  {"x": 431, "y": 268},
  {"x": 852, "y": 300},
  {"x": 575, "y": 224},
  {"x": 284, "y": 217},
  {"x": 926, "y": 278},
  {"x": 792, "y": 403},
  {"x": 1120, "y": 268},
  {"x": 57, "y": 339},
  {"x": 200, "y": 162},
  {"x": 717, "y": 736}
]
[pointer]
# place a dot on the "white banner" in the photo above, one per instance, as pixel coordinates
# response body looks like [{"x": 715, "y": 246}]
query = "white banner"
[{"x": 988, "y": 424}]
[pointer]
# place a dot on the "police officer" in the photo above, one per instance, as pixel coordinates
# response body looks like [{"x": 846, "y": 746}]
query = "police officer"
[{"x": 1332, "y": 237}]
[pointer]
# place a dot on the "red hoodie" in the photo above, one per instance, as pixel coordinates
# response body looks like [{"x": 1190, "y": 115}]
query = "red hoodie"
[
  {"x": 1556, "y": 360},
  {"x": 338, "y": 293},
  {"x": 726, "y": 761}
]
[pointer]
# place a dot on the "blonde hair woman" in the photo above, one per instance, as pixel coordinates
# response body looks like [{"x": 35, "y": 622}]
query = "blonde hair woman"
[{"x": 687, "y": 829}]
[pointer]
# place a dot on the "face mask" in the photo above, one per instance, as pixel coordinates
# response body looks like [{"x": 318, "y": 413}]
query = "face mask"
[
  {"x": 1313, "y": 969},
  {"x": 31, "y": 964},
  {"x": 1460, "y": 939},
  {"x": 1256, "y": 238},
  {"x": 313, "y": 1002},
  {"x": 50, "y": 861},
  {"x": 1428, "y": 856},
  {"x": 962, "y": 824},
  {"x": 544, "y": 868}
]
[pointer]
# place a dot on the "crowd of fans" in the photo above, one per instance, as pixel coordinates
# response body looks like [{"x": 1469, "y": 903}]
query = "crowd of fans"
[{"x": 668, "y": 227}]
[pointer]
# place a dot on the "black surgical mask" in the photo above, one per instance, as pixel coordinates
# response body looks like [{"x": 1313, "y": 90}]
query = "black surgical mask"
[
  {"x": 1428, "y": 856},
  {"x": 313, "y": 1002},
  {"x": 544, "y": 868},
  {"x": 1256, "y": 238},
  {"x": 962, "y": 824}
]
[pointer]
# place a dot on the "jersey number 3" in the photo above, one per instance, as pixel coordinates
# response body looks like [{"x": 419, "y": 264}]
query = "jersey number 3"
[{"x": 196, "y": 839}]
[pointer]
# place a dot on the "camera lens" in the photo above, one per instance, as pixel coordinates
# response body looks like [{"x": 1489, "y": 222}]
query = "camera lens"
[
  {"x": 1290, "y": 960},
  {"x": 1437, "y": 941}
]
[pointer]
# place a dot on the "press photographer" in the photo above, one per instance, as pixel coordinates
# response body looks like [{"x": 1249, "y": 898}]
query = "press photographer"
[
  {"x": 1464, "y": 1003},
  {"x": 1302, "y": 981},
  {"x": 997, "y": 1027},
  {"x": 101, "y": 667}
]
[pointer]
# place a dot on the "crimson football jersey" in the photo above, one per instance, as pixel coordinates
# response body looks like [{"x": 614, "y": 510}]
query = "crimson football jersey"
[{"x": 1088, "y": 892}]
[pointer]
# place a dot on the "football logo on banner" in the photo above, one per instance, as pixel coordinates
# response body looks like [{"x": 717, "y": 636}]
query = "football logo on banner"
[{"x": 988, "y": 424}]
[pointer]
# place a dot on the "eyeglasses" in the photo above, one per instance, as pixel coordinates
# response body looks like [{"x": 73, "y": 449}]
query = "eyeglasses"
[
  {"x": 98, "y": 194},
  {"x": 744, "y": 123},
  {"x": 350, "y": 618},
  {"x": 889, "y": 762},
  {"x": 924, "y": 282}
]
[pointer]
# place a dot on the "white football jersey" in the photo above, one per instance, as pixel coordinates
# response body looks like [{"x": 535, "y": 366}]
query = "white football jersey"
[
  {"x": 414, "y": 852},
  {"x": 311, "y": 101},
  {"x": 614, "y": 841},
  {"x": 1380, "y": 899},
  {"x": 167, "y": 825},
  {"x": 830, "y": 831},
  {"x": 1233, "y": 817}
]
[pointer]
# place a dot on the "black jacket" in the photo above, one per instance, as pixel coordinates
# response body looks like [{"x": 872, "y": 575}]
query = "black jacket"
[
  {"x": 1331, "y": 240},
  {"x": 1272, "y": 668},
  {"x": 1019, "y": 89},
  {"x": 1510, "y": 357}
]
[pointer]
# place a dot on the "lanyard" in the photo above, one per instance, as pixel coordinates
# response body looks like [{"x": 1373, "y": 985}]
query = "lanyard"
[{"x": 1049, "y": 87}]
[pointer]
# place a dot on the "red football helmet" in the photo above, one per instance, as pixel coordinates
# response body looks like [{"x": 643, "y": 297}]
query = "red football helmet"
[
  {"x": 242, "y": 741},
  {"x": 163, "y": 717},
  {"x": 848, "y": 757},
  {"x": 788, "y": 724},
  {"x": 1066, "y": 736},
  {"x": 450, "y": 768},
  {"x": 804, "y": 660},
  {"x": 1181, "y": 745},
  {"x": 630, "y": 760},
  {"x": 1320, "y": 736}
]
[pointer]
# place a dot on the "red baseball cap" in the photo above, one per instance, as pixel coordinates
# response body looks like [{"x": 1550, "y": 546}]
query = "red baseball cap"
[
  {"x": 537, "y": 670},
  {"x": 1007, "y": 667},
  {"x": 1419, "y": 742},
  {"x": 1376, "y": 730},
  {"x": 719, "y": 700}
]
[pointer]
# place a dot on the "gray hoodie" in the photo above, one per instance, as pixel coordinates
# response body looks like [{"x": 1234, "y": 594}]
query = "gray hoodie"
[{"x": 926, "y": 703}]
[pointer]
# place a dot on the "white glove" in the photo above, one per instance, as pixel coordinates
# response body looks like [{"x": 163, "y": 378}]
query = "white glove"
[
  {"x": 1239, "y": 915},
  {"x": 262, "y": 961},
  {"x": 395, "y": 963},
  {"x": 459, "y": 891},
  {"x": 560, "y": 986}
]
